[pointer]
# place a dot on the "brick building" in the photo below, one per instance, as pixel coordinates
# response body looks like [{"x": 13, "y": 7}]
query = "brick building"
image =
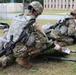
[{"x": 60, "y": 4}]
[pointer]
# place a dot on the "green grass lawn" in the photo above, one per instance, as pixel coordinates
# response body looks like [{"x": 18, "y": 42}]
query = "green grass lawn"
[
  {"x": 6, "y": 21},
  {"x": 42, "y": 22},
  {"x": 48, "y": 11},
  {"x": 55, "y": 12}
]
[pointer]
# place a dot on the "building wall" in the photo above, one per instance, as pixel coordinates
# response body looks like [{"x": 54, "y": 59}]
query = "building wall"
[
  {"x": 11, "y": 7},
  {"x": 60, "y": 4}
]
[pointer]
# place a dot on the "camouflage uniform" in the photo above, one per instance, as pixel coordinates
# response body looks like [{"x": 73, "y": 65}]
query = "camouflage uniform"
[
  {"x": 62, "y": 33},
  {"x": 30, "y": 44}
]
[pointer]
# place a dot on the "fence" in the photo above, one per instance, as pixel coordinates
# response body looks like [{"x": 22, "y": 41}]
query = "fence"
[
  {"x": 9, "y": 7},
  {"x": 3, "y": 11}
]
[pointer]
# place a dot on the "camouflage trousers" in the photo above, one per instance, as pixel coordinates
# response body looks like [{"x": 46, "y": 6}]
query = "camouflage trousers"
[
  {"x": 20, "y": 52},
  {"x": 64, "y": 41}
]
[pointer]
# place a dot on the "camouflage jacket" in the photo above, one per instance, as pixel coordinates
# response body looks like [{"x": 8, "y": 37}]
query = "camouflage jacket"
[
  {"x": 16, "y": 28},
  {"x": 67, "y": 27},
  {"x": 71, "y": 28}
]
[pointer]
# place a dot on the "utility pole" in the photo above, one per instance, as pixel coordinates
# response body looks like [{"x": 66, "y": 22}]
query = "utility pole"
[{"x": 23, "y": 7}]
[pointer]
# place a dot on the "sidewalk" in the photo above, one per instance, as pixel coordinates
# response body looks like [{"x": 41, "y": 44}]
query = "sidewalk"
[{"x": 41, "y": 17}]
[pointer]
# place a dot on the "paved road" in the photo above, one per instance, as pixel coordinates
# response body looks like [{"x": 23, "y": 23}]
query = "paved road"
[
  {"x": 41, "y": 17},
  {"x": 50, "y": 17}
]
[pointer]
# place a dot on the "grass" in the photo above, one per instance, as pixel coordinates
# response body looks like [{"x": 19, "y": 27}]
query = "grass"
[
  {"x": 48, "y": 11},
  {"x": 14, "y": 12},
  {"x": 4, "y": 20},
  {"x": 55, "y": 12},
  {"x": 43, "y": 67},
  {"x": 42, "y": 22}
]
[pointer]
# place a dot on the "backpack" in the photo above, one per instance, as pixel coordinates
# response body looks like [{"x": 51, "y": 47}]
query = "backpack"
[{"x": 17, "y": 25}]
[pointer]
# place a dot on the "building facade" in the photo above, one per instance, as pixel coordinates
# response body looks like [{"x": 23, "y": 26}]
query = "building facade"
[
  {"x": 11, "y": 7},
  {"x": 60, "y": 4}
]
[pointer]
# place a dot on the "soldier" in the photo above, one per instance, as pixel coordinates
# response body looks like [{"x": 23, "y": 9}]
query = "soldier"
[
  {"x": 20, "y": 52},
  {"x": 64, "y": 32}
]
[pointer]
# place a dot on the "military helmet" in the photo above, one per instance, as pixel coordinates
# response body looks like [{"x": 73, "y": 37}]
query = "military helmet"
[
  {"x": 36, "y": 6},
  {"x": 73, "y": 12}
]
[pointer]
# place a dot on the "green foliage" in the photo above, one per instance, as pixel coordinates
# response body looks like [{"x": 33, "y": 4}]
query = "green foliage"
[
  {"x": 20, "y": 1},
  {"x": 4, "y": 1}
]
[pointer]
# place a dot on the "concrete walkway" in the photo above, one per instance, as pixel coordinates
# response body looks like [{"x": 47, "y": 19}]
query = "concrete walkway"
[{"x": 41, "y": 17}]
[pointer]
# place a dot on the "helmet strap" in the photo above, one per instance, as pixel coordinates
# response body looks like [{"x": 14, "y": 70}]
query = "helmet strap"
[{"x": 36, "y": 14}]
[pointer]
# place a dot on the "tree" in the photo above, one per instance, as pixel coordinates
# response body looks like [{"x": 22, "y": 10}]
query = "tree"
[
  {"x": 28, "y": 1},
  {"x": 20, "y": 1},
  {"x": 4, "y": 1}
]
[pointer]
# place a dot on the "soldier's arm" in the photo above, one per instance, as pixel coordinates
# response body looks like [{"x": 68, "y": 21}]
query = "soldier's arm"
[{"x": 71, "y": 28}]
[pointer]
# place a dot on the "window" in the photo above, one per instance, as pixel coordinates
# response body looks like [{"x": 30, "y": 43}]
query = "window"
[
  {"x": 69, "y": 0},
  {"x": 48, "y": 1},
  {"x": 65, "y": 6},
  {"x": 72, "y": 6},
  {"x": 51, "y": 6},
  {"x": 58, "y": 5},
  {"x": 48, "y": 6},
  {"x": 61, "y": 6},
  {"x": 45, "y": 6},
  {"x": 54, "y": 6},
  {"x": 73, "y": 0},
  {"x": 68, "y": 6},
  {"x": 54, "y": 0},
  {"x": 51, "y": 0},
  {"x": 61, "y": 0}
]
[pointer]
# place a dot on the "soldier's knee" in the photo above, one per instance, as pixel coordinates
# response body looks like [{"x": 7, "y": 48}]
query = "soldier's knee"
[
  {"x": 6, "y": 61},
  {"x": 24, "y": 62}
]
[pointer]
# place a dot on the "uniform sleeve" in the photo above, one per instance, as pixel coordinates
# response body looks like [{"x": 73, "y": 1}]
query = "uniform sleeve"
[
  {"x": 71, "y": 28},
  {"x": 63, "y": 30}
]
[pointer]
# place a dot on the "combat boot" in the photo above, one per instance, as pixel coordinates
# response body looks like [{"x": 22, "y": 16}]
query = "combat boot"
[{"x": 24, "y": 62}]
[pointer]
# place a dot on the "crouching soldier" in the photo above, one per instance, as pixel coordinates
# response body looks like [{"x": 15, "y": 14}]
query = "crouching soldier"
[{"x": 22, "y": 24}]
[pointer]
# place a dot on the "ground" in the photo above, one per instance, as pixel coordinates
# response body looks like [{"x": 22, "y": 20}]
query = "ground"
[{"x": 41, "y": 67}]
